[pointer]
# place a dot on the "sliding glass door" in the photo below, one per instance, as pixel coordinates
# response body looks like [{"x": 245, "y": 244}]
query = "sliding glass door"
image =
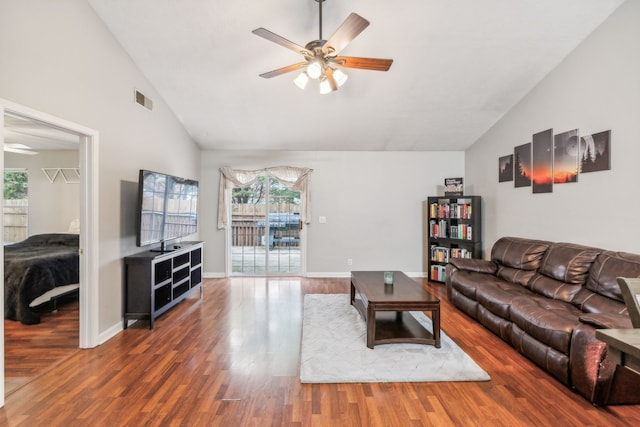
[{"x": 265, "y": 229}]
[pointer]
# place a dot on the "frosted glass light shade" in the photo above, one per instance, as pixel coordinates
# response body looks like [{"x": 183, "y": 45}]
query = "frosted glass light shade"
[
  {"x": 325, "y": 87},
  {"x": 339, "y": 77},
  {"x": 314, "y": 70},
  {"x": 302, "y": 80}
]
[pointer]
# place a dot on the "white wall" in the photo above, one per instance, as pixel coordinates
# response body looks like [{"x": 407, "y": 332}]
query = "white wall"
[
  {"x": 52, "y": 205},
  {"x": 372, "y": 202},
  {"x": 58, "y": 57},
  {"x": 596, "y": 88}
]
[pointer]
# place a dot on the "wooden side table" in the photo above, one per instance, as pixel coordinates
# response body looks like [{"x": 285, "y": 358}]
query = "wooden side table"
[{"x": 624, "y": 346}]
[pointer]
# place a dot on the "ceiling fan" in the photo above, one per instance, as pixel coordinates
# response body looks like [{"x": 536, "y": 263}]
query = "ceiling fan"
[{"x": 321, "y": 56}]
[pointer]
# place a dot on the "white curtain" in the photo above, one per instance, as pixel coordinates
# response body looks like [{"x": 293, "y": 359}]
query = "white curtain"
[{"x": 297, "y": 179}]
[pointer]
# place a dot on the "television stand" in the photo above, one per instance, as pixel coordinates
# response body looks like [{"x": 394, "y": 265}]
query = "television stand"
[{"x": 157, "y": 281}]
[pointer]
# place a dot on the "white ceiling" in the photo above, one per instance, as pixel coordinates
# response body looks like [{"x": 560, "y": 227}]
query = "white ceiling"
[
  {"x": 31, "y": 136},
  {"x": 459, "y": 65}
]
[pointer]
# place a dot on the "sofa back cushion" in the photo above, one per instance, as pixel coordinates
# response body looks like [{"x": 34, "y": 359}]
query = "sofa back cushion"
[
  {"x": 601, "y": 292},
  {"x": 563, "y": 270},
  {"x": 520, "y": 253},
  {"x": 568, "y": 262},
  {"x": 515, "y": 275},
  {"x": 552, "y": 288}
]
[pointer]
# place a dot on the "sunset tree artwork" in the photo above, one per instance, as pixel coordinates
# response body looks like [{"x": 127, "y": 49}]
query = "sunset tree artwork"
[
  {"x": 505, "y": 168},
  {"x": 595, "y": 152},
  {"x": 542, "y": 161},
  {"x": 555, "y": 159},
  {"x": 522, "y": 165},
  {"x": 565, "y": 157}
]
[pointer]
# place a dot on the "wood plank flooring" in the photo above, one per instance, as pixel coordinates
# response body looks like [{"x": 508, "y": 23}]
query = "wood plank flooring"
[
  {"x": 232, "y": 359},
  {"x": 30, "y": 350}
]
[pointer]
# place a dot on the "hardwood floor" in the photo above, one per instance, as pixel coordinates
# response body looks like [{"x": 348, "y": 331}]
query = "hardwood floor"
[
  {"x": 232, "y": 359},
  {"x": 30, "y": 350}
]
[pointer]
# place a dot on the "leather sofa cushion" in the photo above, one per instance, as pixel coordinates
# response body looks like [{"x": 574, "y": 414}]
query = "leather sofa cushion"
[
  {"x": 515, "y": 275},
  {"x": 607, "y": 320},
  {"x": 563, "y": 270},
  {"x": 591, "y": 302},
  {"x": 551, "y": 360},
  {"x": 468, "y": 283},
  {"x": 497, "y": 299},
  {"x": 608, "y": 266},
  {"x": 601, "y": 293},
  {"x": 472, "y": 264},
  {"x": 568, "y": 262},
  {"x": 552, "y": 288},
  {"x": 547, "y": 320},
  {"x": 516, "y": 252}
]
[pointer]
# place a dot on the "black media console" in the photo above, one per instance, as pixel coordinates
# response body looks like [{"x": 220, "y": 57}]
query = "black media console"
[{"x": 157, "y": 281}]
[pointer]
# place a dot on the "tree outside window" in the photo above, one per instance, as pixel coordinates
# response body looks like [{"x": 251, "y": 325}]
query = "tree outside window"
[{"x": 15, "y": 207}]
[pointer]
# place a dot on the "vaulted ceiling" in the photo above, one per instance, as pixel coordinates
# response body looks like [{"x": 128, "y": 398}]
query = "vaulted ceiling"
[{"x": 459, "y": 66}]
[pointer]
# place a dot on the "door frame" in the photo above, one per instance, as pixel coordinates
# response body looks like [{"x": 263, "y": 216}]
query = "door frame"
[
  {"x": 229, "y": 244},
  {"x": 89, "y": 196}
]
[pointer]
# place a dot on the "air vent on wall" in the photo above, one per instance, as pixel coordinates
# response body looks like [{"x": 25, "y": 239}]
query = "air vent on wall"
[{"x": 143, "y": 100}]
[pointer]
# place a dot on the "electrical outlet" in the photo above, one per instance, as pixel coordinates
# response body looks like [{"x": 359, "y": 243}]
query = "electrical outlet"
[{"x": 349, "y": 261}]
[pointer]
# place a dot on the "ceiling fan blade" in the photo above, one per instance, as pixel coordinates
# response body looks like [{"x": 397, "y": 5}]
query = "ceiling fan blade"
[
  {"x": 349, "y": 30},
  {"x": 273, "y": 37},
  {"x": 283, "y": 70},
  {"x": 377, "y": 64}
]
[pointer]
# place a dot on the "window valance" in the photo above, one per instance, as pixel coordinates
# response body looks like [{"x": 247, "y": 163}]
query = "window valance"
[{"x": 297, "y": 179}]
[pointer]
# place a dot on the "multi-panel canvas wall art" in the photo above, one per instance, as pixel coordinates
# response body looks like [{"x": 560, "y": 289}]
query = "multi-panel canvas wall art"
[
  {"x": 505, "y": 168},
  {"x": 522, "y": 165},
  {"x": 555, "y": 159},
  {"x": 565, "y": 157},
  {"x": 542, "y": 176},
  {"x": 595, "y": 152}
]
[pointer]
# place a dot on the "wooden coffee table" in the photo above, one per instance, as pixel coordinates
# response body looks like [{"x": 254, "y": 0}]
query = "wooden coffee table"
[{"x": 372, "y": 298}]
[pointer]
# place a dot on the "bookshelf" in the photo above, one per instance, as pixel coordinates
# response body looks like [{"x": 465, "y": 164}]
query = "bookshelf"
[{"x": 451, "y": 229}]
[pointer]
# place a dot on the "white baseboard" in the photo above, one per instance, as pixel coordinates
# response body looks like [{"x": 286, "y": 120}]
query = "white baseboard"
[
  {"x": 319, "y": 275},
  {"x": 110, "y": 333},
  {"x": 330, "y": 275},
  {"x": 214, "y": 275}
]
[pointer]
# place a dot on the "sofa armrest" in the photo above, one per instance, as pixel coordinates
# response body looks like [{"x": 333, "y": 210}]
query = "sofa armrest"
[
  {"x": 591, "y": 371},
  {"x": 606, "y": 320},
  {"x": 475, "y": 265}
]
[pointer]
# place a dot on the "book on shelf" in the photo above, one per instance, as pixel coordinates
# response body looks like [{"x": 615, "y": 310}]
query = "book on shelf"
[
  {"x": 438, "y": 273},
  {"x": 443, "y": 254},
  {"x": 438, "y": 228},
  {"x": 439, "y": 254},
  {"x": 460, "y": 253},
  {"x": 461, "y": 232},
  {"x": 451, "y": 210}
]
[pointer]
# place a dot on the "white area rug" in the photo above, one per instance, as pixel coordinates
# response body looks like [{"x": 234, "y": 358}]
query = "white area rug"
[{"x": 334, "y": 350}]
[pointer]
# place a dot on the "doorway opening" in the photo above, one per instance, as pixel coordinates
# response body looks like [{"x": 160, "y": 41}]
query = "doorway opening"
[{"x": 88, "y": 218}]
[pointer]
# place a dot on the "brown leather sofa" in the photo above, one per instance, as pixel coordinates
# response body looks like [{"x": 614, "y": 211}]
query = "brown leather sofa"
[{"x": 547, "y": 299}]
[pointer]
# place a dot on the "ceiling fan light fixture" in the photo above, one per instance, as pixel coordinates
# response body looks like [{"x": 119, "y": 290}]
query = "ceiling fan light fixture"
[
  {"x": 314, "y": 70},
  {"x": 302, "y": 80},
  {"x": 325, "y": 86},
  {"x": 339, "y": 77},
  {"x": 322, "y": 55}
]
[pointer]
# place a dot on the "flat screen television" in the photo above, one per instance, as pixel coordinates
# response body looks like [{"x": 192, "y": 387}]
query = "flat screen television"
[{"x": 167, "y": 209}]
